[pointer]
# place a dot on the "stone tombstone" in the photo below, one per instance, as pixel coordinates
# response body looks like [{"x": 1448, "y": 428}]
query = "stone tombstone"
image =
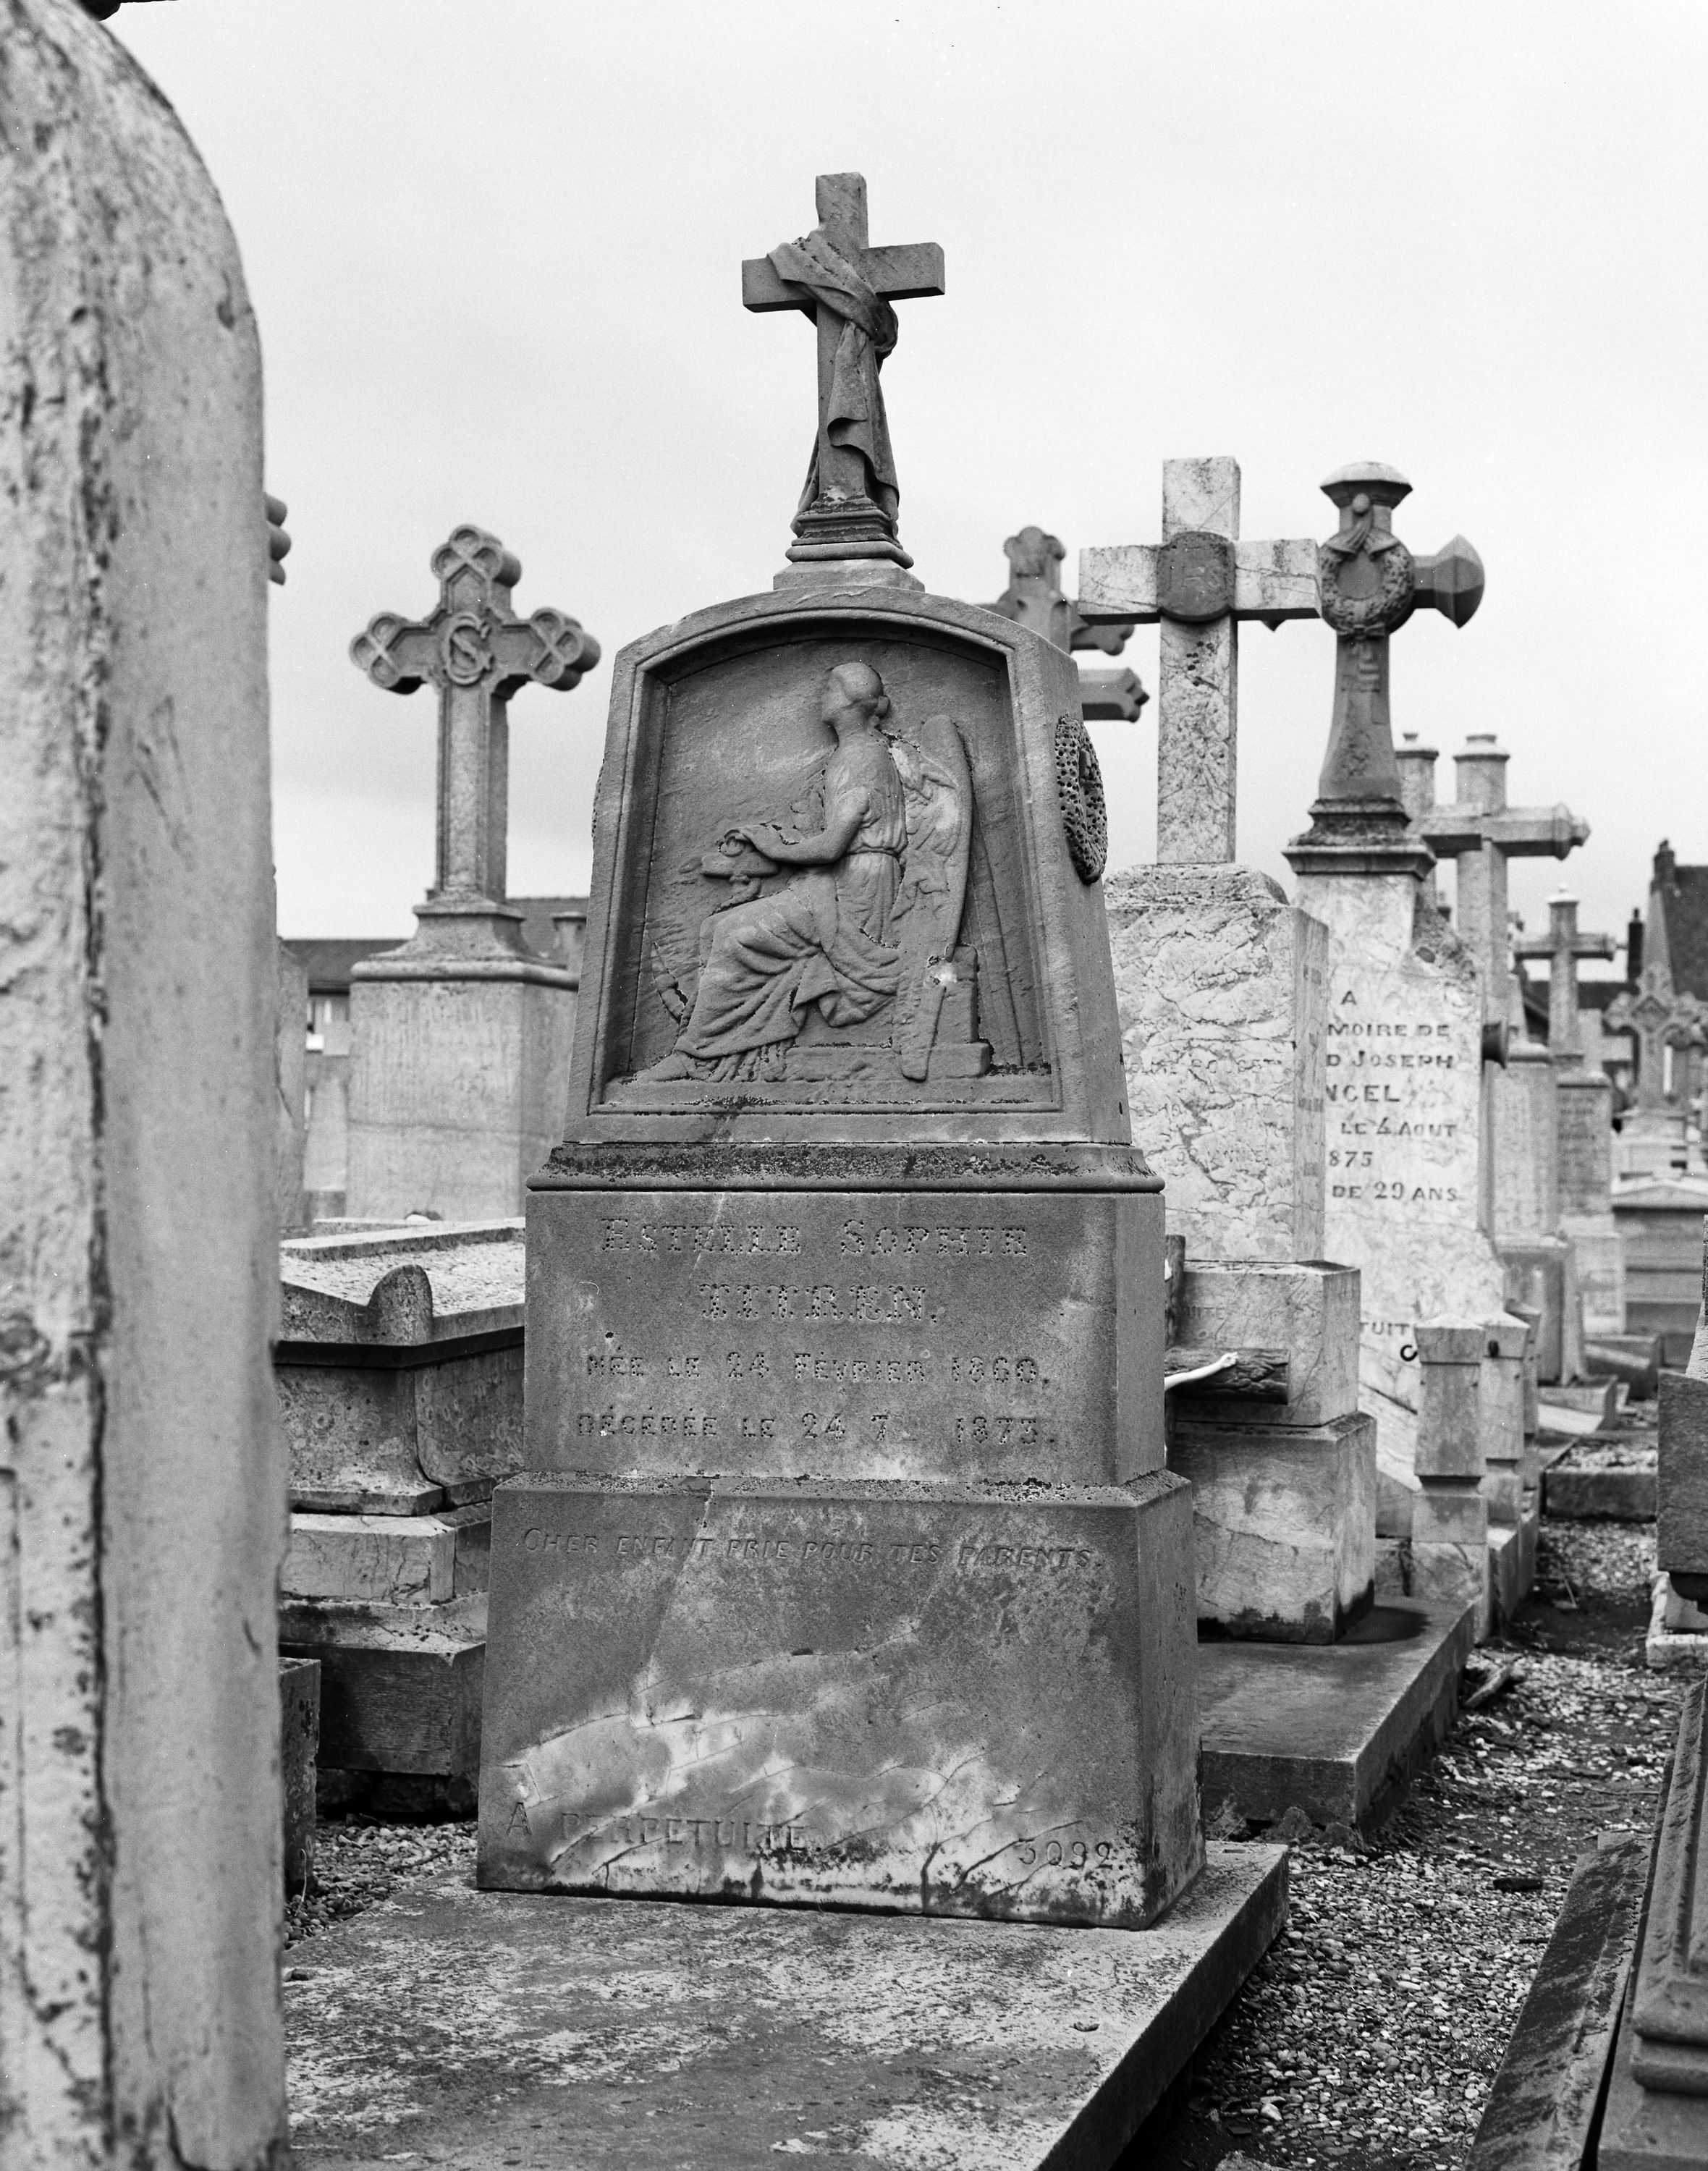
[
  {"x": 1221, "y": 980},
  {"x": 460, "y": 1040},
  {"x": 846, "y": 1286},
  {"x": 1663, "y": 1019},
  {"x": 142, "y": 1508},
  {"x": 1405, "y": 1004}
]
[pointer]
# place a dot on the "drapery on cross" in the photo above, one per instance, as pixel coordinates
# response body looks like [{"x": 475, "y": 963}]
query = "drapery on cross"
[{"x": 848, "y": 508}]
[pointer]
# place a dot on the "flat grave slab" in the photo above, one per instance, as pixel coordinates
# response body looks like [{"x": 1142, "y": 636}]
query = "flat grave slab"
[
  {"x": 482, "y": 2030},
  {"x": 1336, "y": 1729},
  {"x": 881, "y": 1695}
]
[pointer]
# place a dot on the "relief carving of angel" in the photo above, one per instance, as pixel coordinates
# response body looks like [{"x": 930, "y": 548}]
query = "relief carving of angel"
[{"x": 870, "y": 921}]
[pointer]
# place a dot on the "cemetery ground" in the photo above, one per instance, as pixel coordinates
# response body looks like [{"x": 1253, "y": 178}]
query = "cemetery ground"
[{"x": 1369, "y": 2034}]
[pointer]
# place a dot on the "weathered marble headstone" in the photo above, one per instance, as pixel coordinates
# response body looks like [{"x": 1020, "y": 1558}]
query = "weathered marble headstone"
[
  {"x": 1220, "y": 978},
  {"x": 1521, "y": 1115},
  {"x": 1584, "y": 1151},
  {"x": 1405, "y": 1003},
  {"x": 845, "y": 1287},
  {"x": 140, "y": 1495},
  {"x": 460, "y": 1040}
]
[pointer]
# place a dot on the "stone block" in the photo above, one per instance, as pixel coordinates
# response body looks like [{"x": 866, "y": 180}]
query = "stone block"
[
  {"x": 1681, "y": 1479},
  {"x": 1523, "y": 1126},
  {"x": 857, "y": 1695},
  {"x": 1221, "y": 985},
  {"x": 457, "y": 1090},
  {"x": 1585, "y": 1149},
  {"x": 401, "y": 1687},
  {"x": 1539, "y": 1274},
  {"x": 1308, "y": 1309},
  {"x": 299, "y": 1748},
  {"x": 1501, "y": 1415},
  {"x": 1677, "y": 1642},
  {"x": 781, "y": 2023},
  {"x": 1598, "y": 1253},
  {"x": 1600, "y": 1496},
  {"x": 399, "y": 1560},
  {"x": 1450, "y": 1434},
  {"x": 1541, "y": 2111},
  {"x": 1284, "y": 1524},
  {"x": 876, "y": 1334}
]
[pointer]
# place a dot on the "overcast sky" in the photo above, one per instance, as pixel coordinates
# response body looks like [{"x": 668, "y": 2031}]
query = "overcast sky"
[{"x": 495, "y": 251}]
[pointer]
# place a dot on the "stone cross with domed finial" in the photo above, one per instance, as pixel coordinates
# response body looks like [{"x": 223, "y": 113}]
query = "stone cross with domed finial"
[
  {"x": 1368, "y": 585},
  {"x": 477, "y": 652}
]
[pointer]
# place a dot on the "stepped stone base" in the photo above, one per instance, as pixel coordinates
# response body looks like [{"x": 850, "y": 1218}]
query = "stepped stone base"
[
  {"x": 891, "y": 2042},
  {"x": 1334, "y": 1729}
]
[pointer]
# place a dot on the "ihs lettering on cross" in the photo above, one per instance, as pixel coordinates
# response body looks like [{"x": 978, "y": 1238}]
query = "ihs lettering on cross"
[
  {"x": 833, "y": 275},
  {"x": 1199, "y": 582},
  {"x": 477, "y": 652}
]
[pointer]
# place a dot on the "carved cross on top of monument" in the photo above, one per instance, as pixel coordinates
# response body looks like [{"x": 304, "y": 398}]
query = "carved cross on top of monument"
[
  {"x": 1660, "y": 1015},
  {"x": 835, "y": 276},
  {"x": 1562, "y": 946},
  {"x": 1199, "y": 582},
  {"x": 1033, "y": 598},
  {"x": 477, "y": 652},
  {"x": 1368, "y": 586}
]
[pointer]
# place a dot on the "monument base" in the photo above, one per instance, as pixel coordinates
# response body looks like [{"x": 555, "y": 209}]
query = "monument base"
[
  {"x": 966, "y": 1701},
  {"x": 1334, "y": 1729},
  {"x": 1284, "y": 1524},
  {"x": 882, "y": 2041}
]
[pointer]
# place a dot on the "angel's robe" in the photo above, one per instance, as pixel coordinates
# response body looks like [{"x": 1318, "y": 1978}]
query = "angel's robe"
[{"x": 820, "y": 939}]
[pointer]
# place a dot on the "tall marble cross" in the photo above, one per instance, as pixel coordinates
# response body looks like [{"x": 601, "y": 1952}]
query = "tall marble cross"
[
  {"x": 1033, "y": 598},
  {"x": 1563, "y": 945},
  {"x": 477, "y": 652},
  {"x": 834, "y": 276},
  {"x": 1199, "y": 582},
  {"x": 1481, "y": 832}
]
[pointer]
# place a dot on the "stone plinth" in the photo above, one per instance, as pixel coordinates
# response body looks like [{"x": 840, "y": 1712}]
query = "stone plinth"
[
  {"x": 1221, "y": 984},
  {"x": 1307, "y": 1309},
  {"x": 290, "y": 1043},
  {"x": 1284, "y": 1523},
  {"x": 459, "y": 1076},
  {"x": 1653, "y": 1143},
  {"x": 849, "y": 2036},
  {"x": 1681, "y": 1531},
  {"x": 845, "y": 1695}
]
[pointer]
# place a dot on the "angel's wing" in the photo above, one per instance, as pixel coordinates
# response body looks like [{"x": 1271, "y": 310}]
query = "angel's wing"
[{"x": 926, "y": 919}]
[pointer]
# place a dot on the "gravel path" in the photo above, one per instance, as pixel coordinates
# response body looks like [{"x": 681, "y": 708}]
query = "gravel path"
[
  {"x": 1369, "y": 2037},
  {"x": 1369, "y": 2034}
]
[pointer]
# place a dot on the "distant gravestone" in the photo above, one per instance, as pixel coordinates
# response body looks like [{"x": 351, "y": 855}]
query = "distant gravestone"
[
  {"x": 1033, "y": 598},
  {"x": 845, "y": 1287},
  {"x": 460, "y": 1040},
  {"x": 1220, "y": 979},
  {"x": 141, "y": 1486},
  {"x": 1585, "y": 1121},
  {"x": 290, "y": 1073},
  {"x": 1521, "y": 1114}
]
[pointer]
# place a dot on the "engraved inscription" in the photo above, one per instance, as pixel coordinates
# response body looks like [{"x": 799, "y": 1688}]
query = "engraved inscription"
[
  {"x": 1395, "y": 1127},
  {"x": 600, "y": 1549}
]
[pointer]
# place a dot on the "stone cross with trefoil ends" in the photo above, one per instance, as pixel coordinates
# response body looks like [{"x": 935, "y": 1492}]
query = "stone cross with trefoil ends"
[
  {"x": 477, "y": 652},
  {"x": 1199, "y": 582},
  {"x": 835, "y": 276},
  {"x": 1661, "y": 1017},
  {"x": 1368, "y": 586},
  {"x": 1562, "y": 946},
  {"x": 1481, "y": 833},
  {"x": 1033, "y": 598}
]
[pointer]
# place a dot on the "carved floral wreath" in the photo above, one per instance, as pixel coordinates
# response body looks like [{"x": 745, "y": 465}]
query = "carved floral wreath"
[
  {"x": 1079, "y": 786},
  {"x": 1353, "y": 616}
]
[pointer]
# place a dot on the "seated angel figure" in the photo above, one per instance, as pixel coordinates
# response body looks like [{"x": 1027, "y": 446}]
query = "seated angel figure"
[{"x": 822, "y": 938}]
